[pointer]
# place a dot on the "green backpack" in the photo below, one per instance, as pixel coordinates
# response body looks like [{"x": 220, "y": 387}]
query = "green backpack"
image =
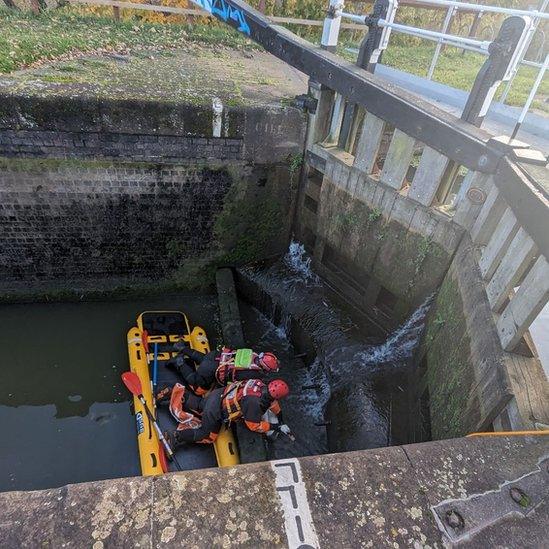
[{"x": 243, "y": 358}]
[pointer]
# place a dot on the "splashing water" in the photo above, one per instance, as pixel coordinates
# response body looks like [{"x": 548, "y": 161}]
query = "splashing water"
[
  {"x": 283, "y": 328},
  {"x": 363, "y": 363},
  {"x": 402, "y": 343},
  {"x": 299, "y": 262},
  {"x": 317, "y": 390},
  {"x": 344, "y": 361}
]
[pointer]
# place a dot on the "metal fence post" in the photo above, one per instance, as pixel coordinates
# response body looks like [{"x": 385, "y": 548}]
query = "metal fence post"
[
  {"x": 501, "y": 53},
  {"x": 332, "y": 24},
  {"x": 370, "y": 48},
  {"x": 445, "y": 26},
  {"x": 369, "y": 54},
  {"x": 535, "y": 23}
]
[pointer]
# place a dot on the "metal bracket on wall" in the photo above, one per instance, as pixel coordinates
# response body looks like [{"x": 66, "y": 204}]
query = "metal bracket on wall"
[
  {"x": 460, "y": 519},
  {"x": 306, "y": 103}
]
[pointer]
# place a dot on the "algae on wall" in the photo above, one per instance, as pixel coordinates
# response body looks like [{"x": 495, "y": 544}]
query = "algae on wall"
[
  {"x": 407, "y": 263},
  {"x": 446, "y": 347},
  {"x": 80, "y": 227},
  {"x": 253, "y": 224}
]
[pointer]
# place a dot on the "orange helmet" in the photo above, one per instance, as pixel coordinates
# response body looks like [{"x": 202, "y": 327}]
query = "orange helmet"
[
  {"x": 268, "y": 362},
  {"x": 278, "y": 389}
]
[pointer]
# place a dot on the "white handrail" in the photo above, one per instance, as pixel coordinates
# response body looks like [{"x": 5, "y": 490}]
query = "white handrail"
[
  {"x": 484, "y": 8},
  {"x": 481, "y": 45}
]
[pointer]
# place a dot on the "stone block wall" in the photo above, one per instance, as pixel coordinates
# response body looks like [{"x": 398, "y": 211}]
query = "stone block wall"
[
  {"x": 97, "y": 220},
  {"x": 99, "y": 195},
  {"x": 145, "y": 147}
]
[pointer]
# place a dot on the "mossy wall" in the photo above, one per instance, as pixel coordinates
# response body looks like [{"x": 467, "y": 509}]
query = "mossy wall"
[
  {"x": 110, "y": 195},
  {"x": 370, "y": 239},
  {"x": 465, "y": 365},
  {"x": 450, "y": 375},
  {"x": 410, "y": 264},
  {"x": 78, "y": 226}
]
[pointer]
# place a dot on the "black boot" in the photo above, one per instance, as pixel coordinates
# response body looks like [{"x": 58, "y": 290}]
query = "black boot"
[
  {"x": 170, "y": 438},
  {"x": 174, "y": 440},
  {"x": 181, "y": 347},
  {"x": 173, "y": 366}
]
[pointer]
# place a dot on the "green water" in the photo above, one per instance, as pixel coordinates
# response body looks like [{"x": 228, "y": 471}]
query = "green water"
[{"x": 64, "y": 413}]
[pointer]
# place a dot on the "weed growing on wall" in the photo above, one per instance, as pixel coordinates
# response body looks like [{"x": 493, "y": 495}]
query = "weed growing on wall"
[
  {"x": 374, "y": 215},
  {"x": 423, "y": 249},
  {"x": 248, "y": 226},
  {"x": 346, "y": 221},
  {"x": 294, "y": 163}
]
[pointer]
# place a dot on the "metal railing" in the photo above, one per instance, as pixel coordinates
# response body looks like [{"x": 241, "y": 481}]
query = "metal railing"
[{"x": 531, "y": 17}]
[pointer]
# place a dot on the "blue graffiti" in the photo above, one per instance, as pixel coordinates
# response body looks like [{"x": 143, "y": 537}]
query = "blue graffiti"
[{"x": 225, "y": 11}]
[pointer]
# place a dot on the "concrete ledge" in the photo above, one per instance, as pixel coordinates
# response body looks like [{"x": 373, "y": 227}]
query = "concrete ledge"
[
  {"x": 376, "y": 498},
  {"x": 251, "y": 445}
]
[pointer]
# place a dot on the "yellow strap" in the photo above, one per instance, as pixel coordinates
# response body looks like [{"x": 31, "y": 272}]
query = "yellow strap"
[{"x": 509, "y": 433}]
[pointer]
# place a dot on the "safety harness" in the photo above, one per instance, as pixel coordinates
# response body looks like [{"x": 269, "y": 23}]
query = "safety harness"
[
  {"x": 230, "y": 361},
  {"x": 234, "y": 393}
]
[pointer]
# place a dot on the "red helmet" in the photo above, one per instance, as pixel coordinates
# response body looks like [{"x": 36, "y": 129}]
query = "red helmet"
[
  {"x": 268, "y": 362},
  {"x": 278, "y": 389}
]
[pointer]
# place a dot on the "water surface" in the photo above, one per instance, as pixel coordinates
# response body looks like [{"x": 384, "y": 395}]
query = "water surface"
[{"x": 65, "y": 414}]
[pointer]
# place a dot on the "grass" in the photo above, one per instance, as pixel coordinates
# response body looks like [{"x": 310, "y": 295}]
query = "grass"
[
  {"x": 26, "y": 38},
  {"x": 457, "y": 70}
]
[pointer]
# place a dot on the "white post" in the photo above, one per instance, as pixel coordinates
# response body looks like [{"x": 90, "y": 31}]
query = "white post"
[
  {"x": 217, "y": 107},
  {"x": 445, "y": 26},
  {"x": 332, "y": 24}
]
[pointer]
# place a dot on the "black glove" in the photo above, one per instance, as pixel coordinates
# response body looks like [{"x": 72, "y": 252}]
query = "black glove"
[{"x": 181, "y": 347}]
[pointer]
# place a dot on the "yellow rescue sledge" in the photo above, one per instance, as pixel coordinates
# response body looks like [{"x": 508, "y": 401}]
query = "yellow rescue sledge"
[{"x": 162, "y": 329}]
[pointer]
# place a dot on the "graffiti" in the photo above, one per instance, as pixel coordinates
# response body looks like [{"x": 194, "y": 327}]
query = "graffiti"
[{"x": 226, "y": 12}]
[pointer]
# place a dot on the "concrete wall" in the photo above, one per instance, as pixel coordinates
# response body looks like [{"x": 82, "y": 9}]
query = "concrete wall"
[
  {"x": 399, "y": 496},
  {"x": 473, "y": 384},
  {"x": 103, "y": 195},
  {"x": 385, "y": 253},
  {"x": 63, "y": 127}
]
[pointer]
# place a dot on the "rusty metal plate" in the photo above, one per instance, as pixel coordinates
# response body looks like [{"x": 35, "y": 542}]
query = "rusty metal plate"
[
  {"x": 460, "y": 519},
  {"x": 476, "y": 195}
]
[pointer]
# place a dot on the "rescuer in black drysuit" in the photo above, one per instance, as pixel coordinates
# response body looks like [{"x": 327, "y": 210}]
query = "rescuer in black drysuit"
[
  {"x": 245, "y": 401},
  {"x": 220, "y": 367}
]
